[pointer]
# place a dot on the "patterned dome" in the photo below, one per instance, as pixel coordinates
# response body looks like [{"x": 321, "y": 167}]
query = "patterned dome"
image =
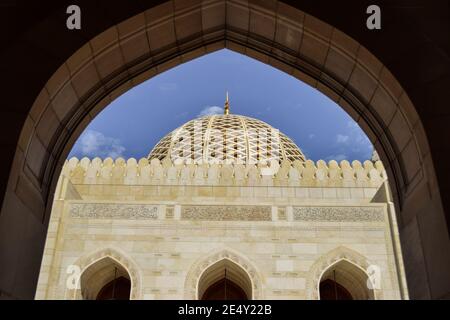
[{"x": 226, "y": 138}]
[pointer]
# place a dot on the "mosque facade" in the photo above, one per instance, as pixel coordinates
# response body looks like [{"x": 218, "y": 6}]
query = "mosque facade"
[{"x": 224, "y": 207}]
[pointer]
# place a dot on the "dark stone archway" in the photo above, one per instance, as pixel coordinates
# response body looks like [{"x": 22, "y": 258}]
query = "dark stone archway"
[{"x": 58, "y": 80}]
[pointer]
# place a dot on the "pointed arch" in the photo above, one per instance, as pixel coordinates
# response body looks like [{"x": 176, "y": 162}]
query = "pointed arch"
[
  {"x": 338, "y": 257},
  {"x": 191, "y": 287},
  {"x": 118, "y": 257},
  {"x": 349, "y": 276},
  {"x": 214, "y": 276},
  {"x": 361, "y": 84},
  {"x": 97, "y": 280}
]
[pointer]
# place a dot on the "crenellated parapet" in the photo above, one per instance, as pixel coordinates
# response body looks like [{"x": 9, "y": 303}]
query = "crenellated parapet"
[{"x": 156, "y": 172}]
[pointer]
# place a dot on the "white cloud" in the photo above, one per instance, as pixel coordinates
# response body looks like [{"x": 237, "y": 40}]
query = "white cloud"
[
  {"x": 340, "y": 138},
  {"x": 337, "y": 157},
  {"x": 359, "y": 140},
  {"x": 311, "y": 136},
  {"x": 210, "y": 110},
  {"x": 95, "y": 144},
  {"x": 352, "y": 124},
  {"x": 352, "y": 143}
]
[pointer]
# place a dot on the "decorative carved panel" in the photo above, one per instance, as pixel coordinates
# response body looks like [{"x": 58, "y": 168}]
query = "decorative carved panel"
[
  {"x": 227, "y": 213},
  {"x": 338, "y": 214},
  {"x": 113, "y": 211}
]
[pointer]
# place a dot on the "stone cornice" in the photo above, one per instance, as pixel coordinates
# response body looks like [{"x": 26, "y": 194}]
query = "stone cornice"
[{"x": 155, "y": 172}]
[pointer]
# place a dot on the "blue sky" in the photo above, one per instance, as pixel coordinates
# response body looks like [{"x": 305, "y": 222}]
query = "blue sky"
[{"x": 132, "y": 124}]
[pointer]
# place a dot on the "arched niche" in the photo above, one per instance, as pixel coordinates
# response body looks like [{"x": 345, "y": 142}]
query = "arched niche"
[
  {"x": 345, "y": 278},
  {"x": 224, "y": 280},
  {"x": 105, "y": 279},
  {"x": 352, "y": 270},
  {"x": 210, "y": 269},
  {"x": 98, "y": 269}
]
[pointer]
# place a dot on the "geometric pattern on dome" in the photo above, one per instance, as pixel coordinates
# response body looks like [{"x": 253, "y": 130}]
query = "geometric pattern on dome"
[{"x": 226, "y": 138}]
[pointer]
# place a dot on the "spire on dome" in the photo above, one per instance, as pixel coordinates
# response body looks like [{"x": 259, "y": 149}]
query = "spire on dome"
[{"x": 227, "y": 106}]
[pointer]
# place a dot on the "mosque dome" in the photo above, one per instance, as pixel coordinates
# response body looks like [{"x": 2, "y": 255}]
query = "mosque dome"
[{"x": 226, "y": 138}]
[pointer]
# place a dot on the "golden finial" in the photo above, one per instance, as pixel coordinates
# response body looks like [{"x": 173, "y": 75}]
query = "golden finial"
[{"x": 227, "y": 106}]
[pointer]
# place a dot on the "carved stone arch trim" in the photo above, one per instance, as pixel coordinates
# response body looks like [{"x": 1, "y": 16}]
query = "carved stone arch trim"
[
  {"x": 196, "y": 271},
  {"x": 118, "y": 256},
  {"x": 330, "y": 259}
]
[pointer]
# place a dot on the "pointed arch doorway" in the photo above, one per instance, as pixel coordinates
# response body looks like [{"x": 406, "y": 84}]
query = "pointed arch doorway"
[
  {"x": 117, "y": 289},
  {"x": 105, "y": 279},
  {"x": 345, "y": 281},
  {"x": 224, "y": 280}
]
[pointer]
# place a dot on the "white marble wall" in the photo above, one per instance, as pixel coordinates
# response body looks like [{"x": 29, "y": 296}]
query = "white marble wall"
[{"x": 146, "y": 227}]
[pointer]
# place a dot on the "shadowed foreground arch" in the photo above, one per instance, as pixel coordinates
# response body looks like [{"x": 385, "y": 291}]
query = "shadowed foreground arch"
[{"x": 272, "y": 32}]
